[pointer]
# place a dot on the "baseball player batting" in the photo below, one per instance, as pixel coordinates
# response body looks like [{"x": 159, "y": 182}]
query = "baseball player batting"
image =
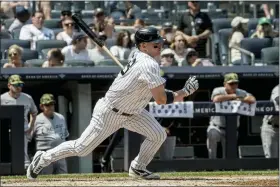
[{"x": 123, "y": 106}]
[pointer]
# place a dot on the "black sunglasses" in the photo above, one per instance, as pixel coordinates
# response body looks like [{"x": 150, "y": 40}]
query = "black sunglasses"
[
  {"x": 69, "y": 24},
  {"x": 18, "y": 85},
  {"x": 171, "y": 56},
  {"x": 12, "y": 54}
]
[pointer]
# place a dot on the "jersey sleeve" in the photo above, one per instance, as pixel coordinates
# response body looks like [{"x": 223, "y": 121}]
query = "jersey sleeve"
[
  {"x": 66, "y": 133},
  {"x": 33, "y": 108},
  {"x": 150, "y": 74},
  {"x": 216, "y": 91},
  {"x": 242, "y": 93}
]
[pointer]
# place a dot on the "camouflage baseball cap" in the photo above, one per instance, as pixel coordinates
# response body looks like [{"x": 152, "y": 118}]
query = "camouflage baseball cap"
[
  {"x": 47, "y": 99},
  {"x": 15, "y": 79},
  {"x": 231, "y": 77}
]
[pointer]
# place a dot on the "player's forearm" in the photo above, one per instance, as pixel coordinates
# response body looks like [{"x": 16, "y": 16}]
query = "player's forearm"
[
  {"x": 205, "y": 34},
  {"x": 179, "y": 95},
  {"x": 32, "y": 120},
  {"x": 249, "y": 99},
  {"x": 222, "y": 98}
]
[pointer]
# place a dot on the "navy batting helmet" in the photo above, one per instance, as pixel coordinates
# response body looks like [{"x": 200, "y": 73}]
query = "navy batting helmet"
[{"x": 147, "y": 34}]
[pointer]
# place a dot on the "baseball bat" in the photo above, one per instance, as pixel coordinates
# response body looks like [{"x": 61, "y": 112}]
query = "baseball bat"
[{"x": 78, "y": 20}]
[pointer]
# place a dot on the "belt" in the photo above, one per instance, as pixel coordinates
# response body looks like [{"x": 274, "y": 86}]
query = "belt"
[
  {"x": 219, "y": 127},
  {"x": 124, "y": 114},
  {"x": 273, "y": 125}
]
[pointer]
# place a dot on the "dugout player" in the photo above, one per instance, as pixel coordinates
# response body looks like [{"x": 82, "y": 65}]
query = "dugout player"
[
  {"x": 15, "y": 96},
  {"x": 50, "y": 130},
  {"x": 270, "y": 129},
  {"x": 216, "y": 129},
  {"x": 123, "y": 106}
]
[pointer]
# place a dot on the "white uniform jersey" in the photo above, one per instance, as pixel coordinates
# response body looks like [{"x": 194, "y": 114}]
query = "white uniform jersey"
[
  {"x": 130, "y": 91},
  {"x": 25, "y": 100}
]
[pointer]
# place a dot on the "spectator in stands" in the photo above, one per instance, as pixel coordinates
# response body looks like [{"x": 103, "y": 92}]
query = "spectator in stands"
[
  {"x": 22, "y": 17},
  {"x": 193, "y": 59},
  {"x": 50, "y": 130},
  {"x": 45, "y": 7},
  {"x": 99, "y": 18},
  {"x": 264, "y": 29},
  {"x": 270, "y": 129},
  {"x": 68, "y": 31},
  {"x": 167, "y": 33},
  {"x": 132, "y": 11},
  {"x": 63, "y": 15},
  {"x": 36, "y": 30},
  {"x": 179, "y": 45},
  {"x": 14, "y": 57},
  {"x": 77, "y": 51},
  {"x": 123, "y": 45},
  {"x": 8, "y": 7},
  {"x": 216, "y": 129},
  {"x": 167, "y": 58},
  {"x": 15, "y": 96},
  {"x": 239, "y": 27},
  {"x": 197, "y": 27},
  {"x": 138, "y": 24},
  {"x": 55, "y": 59},
  {"x": 97, "y": 54}
]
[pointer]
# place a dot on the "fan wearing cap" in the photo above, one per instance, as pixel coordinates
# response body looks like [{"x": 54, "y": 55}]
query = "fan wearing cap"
[
  {"x": 77, "y": 51},
  {"x": 22, "y": 17},
  {"x": 264, "y": 29},
  {"x": 239, "y": 27},
  {"x": 15, "y": 96},
  {"x": 167, "y": 32},
  {"x": 167, "y": 58},
  {"x": 50, "y": 130},
  {"x": 216, "y": 128}
]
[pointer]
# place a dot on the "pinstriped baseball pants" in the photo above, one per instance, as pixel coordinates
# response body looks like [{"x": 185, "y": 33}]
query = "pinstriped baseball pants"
[
  {"x": 270, "y": 140},
  {"x": 105, "y": 122}
]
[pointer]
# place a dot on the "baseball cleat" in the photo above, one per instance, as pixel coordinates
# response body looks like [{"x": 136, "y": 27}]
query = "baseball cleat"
[
  {"x": 34, "y": 169},
  {"x": 143, "y": 173}
]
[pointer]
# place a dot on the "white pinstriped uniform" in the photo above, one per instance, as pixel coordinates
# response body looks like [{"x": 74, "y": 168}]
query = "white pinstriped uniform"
[{"x": 129, "y": 93}]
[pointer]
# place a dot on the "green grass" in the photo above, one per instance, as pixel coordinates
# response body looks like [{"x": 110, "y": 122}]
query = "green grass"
[{"x": 163, "y": 174}]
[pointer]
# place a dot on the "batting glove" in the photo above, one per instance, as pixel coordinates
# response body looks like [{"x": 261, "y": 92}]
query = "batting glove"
[{"x": 191, "y": 85}]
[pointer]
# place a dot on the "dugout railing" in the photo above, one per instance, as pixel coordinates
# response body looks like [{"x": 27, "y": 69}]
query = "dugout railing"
[{"x": 78, "y": 86}]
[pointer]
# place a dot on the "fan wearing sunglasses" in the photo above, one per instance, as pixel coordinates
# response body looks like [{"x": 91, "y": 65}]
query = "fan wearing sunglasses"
[
  {"x": 14, "y": 57},
  {"x": 68, "y": 31},
  {"x": 216, "y": 128},
  {"x": 15, "y": 96},
  {"x": 167, "y": 58}
]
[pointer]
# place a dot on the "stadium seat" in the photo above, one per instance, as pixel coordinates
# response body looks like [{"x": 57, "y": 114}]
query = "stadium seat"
[
  {"x": 35, "y": 62},
  {"x": 16, "y": 33},
  {"x": 8, "y": 23},
  {"x": 254, "y": 45},
  {"x": 252, "y": 24},
  {"x": 275, "y": 42},
  {"x": 46, "y": 44},
  {"x": 55, "y": 14},
  {"x": 276, "y": 24},
  {"x": 224, "y": 35},
  {"x": 250, "y": 151},
  {"x": 2, "y": 62},
  {"x": 270, "y": 55},
  {"x": 78, "y": 63},
  {"x": 52, "y": 23},
  {"x": 107, "y": 62},
  {"x": 218, "y": 24},
  {"x": 6, "y": 43},
  {"x": 5, "y": 35}
]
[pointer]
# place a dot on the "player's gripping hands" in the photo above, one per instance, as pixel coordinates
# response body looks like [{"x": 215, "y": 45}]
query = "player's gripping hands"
[{"x": 191, "y": 85}]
